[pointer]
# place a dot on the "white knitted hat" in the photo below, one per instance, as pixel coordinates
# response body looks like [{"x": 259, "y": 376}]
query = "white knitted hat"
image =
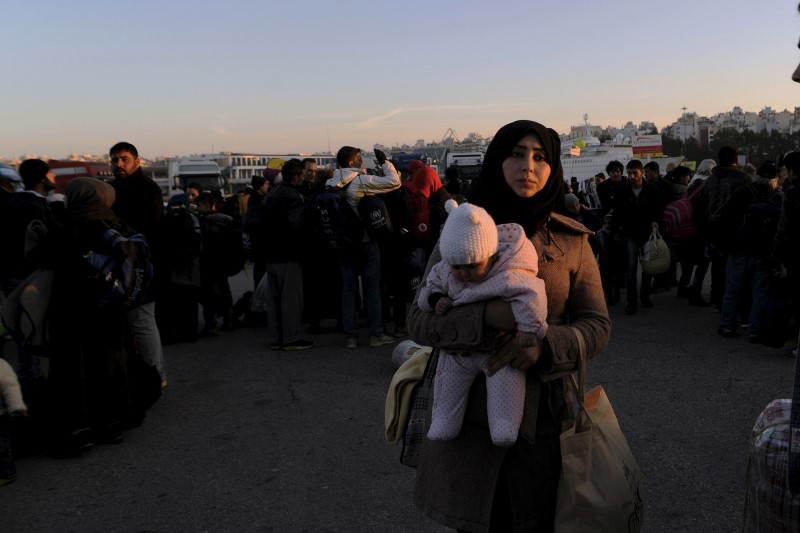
[{"x": 469, "y": 235}]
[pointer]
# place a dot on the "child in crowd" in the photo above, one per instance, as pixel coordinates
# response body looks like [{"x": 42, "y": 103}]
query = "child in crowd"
[
  {"x": 482, "y": 261},
  {"x": 11, "y": 404}
]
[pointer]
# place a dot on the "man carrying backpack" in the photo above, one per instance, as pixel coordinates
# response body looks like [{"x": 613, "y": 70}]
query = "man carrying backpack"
[
  {"x": 752, "y": 213},
  {"x": 364, "y": 258},
  {"x": 140, "y": 204},
  {"x": 21, "y": 209}
]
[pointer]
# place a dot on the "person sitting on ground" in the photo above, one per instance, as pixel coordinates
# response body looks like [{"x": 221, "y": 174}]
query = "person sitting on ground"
[{"x": 482, "y": 261}]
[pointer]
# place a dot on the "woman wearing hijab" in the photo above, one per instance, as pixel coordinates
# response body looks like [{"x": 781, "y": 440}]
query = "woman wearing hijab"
[
  {"x": 468, "y": 483},
  {"x": 87, "y": 375}
]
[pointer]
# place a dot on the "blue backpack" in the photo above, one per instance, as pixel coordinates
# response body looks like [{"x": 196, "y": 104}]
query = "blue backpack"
[
  {"x": 122, "y": 272},
  {"x": 337, "y": 224}
]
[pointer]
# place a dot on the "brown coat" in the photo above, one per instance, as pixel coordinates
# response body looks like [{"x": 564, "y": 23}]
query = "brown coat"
[{"x": 457, "y": 479}]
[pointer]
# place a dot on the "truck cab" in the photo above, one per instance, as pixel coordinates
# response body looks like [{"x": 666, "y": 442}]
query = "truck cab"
[{"x": 181, "y": 172}]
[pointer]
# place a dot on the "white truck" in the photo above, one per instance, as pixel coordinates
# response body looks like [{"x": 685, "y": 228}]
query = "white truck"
[{"x": 184, "y": 171}]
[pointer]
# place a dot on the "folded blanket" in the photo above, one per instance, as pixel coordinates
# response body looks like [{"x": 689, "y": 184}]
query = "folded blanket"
[{"x": 398, "y": 399}]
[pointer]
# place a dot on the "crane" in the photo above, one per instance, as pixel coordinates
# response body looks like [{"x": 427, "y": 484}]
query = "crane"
[{"x": 450, "y": 134}]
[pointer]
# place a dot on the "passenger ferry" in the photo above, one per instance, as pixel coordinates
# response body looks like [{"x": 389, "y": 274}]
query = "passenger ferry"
[{"x": 586, "y": 157}]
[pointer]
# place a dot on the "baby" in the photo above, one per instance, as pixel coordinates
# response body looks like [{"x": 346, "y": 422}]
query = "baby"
[{"x": 482, "y": 261}]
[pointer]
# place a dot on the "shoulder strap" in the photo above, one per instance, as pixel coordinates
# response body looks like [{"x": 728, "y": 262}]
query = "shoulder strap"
[{"x": 582, "y": 421}]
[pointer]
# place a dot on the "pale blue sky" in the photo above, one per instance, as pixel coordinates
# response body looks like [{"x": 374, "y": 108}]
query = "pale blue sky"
[{"x": 180, "y": 77}]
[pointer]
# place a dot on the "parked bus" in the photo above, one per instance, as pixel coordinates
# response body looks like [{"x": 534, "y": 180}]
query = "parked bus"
[{"x": 66, "y": 170}]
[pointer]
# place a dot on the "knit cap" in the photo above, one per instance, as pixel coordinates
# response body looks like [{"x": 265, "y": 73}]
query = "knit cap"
[
  {"x": 469, "y": 235},
  {"x": 570, "y": 200}
]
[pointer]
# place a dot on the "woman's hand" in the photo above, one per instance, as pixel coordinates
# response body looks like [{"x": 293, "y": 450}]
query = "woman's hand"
[{"x": 511, "y": 353}]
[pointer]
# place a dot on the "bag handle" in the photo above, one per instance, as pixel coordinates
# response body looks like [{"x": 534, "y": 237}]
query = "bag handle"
[{"x": 583, "y": 421}]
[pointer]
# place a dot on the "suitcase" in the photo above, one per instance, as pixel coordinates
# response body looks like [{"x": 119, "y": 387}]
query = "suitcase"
[{"x": 772, "y": 501}]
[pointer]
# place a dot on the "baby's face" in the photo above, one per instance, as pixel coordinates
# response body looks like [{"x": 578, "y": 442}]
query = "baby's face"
[{"x": 472, "y": 272}]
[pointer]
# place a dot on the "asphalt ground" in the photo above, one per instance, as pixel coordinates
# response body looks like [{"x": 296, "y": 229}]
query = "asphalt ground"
[{"x": 248, "y": 439}]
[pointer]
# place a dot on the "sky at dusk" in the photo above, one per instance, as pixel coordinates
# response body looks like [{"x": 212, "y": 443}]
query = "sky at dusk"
[{"x": 176, "y": 77}]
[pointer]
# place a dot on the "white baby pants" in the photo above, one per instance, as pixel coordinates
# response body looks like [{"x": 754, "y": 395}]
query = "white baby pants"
[{"x": 505, "y": 398}]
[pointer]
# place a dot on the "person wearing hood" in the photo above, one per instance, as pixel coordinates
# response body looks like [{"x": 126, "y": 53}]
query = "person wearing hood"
[
  {"x": 365, "y": 260},
  {"x": 702, "y": 173},
  {"x": 90, "y": 399},
  {"x": 467, "y": 483}
]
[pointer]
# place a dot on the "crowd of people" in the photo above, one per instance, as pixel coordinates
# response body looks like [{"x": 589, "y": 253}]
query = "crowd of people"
[
  {"x": 110, "y": 367},
  {"x": 128, "y": 273},
  {"x": 739, "y": 224}
]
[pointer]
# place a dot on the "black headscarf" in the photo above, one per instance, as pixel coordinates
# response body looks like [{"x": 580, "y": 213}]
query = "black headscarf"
[{"x": 491, "y": 191}]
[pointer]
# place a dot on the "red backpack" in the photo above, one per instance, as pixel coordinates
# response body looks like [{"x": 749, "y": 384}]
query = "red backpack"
[{"x": 679, "y": 222}]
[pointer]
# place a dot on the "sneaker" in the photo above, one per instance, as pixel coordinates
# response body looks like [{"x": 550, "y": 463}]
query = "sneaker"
[
  {"x": 399, "y": 333},
  {"x": 381, "y": 340},
  {"x": 352, "y": 343},
  {"x": 727, "y": 333},
  {"x": 302, "y": 344},
  {"x": 275, "y": 346},
  {"x": 630, "y": 309}
]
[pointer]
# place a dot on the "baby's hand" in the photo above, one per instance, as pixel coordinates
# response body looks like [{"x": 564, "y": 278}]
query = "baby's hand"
[
  {"x": 443, "y": 305},
  {"x": 526, "y": 340}
]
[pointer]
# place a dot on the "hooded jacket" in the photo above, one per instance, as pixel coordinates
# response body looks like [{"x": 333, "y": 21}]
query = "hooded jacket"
[{"x": 364, "y": 184}]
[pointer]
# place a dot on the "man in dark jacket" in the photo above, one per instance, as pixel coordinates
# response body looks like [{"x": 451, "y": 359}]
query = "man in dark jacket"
[
  {"x": 786, "y": 252},
  {"x": 287, "y": 239},
  {"x": 20, "y": 210},
  {"x": 140, "y": 204},
  {"x": 752, "y": 213},
  {"x": 708, "y": 204},
  {"x": 637, "y": 209}
]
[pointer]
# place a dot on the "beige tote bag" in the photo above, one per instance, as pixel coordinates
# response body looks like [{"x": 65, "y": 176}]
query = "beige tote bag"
[{"x": 601, "y": 487}]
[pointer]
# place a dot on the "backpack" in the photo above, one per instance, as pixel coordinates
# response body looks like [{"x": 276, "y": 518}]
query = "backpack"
[
  {"x": 760, "y": 224},
  {"x": 374, "y": 217},
  {"x": 24, "y": 312},
  {"x": 336, "y": 224},
  {"x": 180, "y": 236},
  {"x": 122, "y": 272},
  {"x": 226, "y": 244},
  {"x": 679, "y": 219}
]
